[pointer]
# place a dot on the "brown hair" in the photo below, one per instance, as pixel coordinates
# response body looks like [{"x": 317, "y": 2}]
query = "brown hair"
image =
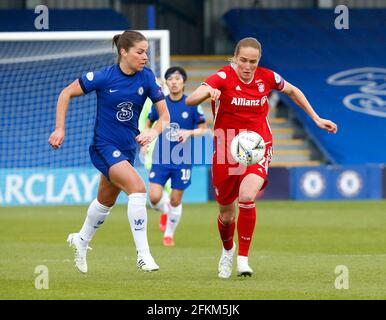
[
  {"x": 127, "y": 40},
  {"x": 247, "y": 42}
]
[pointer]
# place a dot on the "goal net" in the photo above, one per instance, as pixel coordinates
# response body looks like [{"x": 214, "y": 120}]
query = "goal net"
[{"x": 34, "y": 68}]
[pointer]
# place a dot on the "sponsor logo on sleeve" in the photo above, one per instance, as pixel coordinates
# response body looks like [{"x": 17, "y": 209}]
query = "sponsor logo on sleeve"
[
  {"x": 116, "y": 153},
  {"x": 277, "y": 77},
  {"x": 222, "y": 75},
  {"x": 90, "y": 76}
]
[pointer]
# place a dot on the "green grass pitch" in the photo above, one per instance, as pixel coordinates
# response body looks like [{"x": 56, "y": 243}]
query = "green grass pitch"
[{"x": 295, "y": 250}]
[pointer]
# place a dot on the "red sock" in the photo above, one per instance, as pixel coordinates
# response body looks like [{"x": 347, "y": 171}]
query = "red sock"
[
  {"x": 226, "y": 233},
  {"x": 245, "y": 226}
]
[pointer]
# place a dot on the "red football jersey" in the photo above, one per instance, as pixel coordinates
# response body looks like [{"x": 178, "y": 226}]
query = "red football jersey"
[{"x": 242, "y": 106}]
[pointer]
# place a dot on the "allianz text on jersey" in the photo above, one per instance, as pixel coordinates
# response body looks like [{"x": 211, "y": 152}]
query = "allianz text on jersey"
[{"x": 248, "y": 102}]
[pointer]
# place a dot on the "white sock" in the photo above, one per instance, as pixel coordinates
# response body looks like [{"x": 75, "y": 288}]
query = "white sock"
[
  {"x": 96, "y": 215},
  {"x": 137, "y": 214},
  {"x": 164, "y": 204},
  {"x": 174, "y": 217}
]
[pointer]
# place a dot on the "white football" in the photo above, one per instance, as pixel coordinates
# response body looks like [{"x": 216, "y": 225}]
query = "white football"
[{"x": 248, "y": 148}]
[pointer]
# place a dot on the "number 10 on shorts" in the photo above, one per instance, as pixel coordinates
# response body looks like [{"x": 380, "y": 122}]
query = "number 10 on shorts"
[{"x": 185, "y": 174}]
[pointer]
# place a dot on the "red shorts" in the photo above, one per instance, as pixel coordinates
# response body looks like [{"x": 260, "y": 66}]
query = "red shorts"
[{"x": 227, "y": 178}]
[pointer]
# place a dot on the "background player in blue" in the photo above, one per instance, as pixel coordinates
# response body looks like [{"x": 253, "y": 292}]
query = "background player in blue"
[
  {"x": 172, "y": 155},
  {"x": 121, "y": 92}
]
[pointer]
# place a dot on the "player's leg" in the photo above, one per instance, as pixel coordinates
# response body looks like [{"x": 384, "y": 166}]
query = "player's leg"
[
  {"x": 97, "y": 213},
  {"x": 180, "y": 181},
  {"x": 166, "y": 195},
  {"x": 155, "y": 195},
  {"x": 249, "y": 187},
  {"x": 174, "y": 217},
  {"x": 226, "y": 191},
  {"x": 226, "y": 227},
  {"x": 159, "y": 199},
  {"x": 226, "y": 224},
  {"x": 124, "y": 176},
  {"x": 99, "y": 209}
]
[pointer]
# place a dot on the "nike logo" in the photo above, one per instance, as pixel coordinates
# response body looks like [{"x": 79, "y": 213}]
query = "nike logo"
[{"x": 111, "y": 91}]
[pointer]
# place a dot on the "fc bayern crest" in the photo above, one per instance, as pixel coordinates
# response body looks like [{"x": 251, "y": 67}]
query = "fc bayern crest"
[{"x": 261, "y": 87}]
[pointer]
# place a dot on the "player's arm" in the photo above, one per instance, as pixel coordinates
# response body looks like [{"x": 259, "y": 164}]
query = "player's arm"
[
  {"x": 299, "y": 98},
  {"x": 144, "y": 149},
  {"x": 149, "y": 124},
  {"x": 201, "y": 129},
  {"x": 202, "y": 93},
  {"x": 150, "y": 134},
  {"x": 73, "y": 90}
]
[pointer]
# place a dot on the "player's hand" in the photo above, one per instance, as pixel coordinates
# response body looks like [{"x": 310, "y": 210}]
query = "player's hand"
[
  {"x": 146, "y": 137},
  {"x": 327, "y": 125},
  {"x": 56, "y": 138},
  {"x": 184, "y": 135},
  {"x": 214, "y": 94}
]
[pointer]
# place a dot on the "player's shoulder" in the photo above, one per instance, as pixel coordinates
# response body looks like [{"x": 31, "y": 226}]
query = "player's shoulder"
[
  {"x": 225, "y": 72},
  {"x": 264, "y": 72},
  {"x": 108, "y": 70},
  {"x": 147, "y": 72},
  {"x": 148, "y": 76},
  {"x": 100, "y": 72}
]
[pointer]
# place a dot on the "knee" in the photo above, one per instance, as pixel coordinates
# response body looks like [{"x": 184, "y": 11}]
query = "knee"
[
  {"x": 226, "y": 219},
  {"x": 106, "y": 199},
  {"x": 175, "y": 201},
  {"x": 154, "y": 198},
  {"x": 247, "y": 197},
  {"x": 107, "y": 203},
  {"x": 138, "y": 188},
  {"x": 227, "y": 216}
]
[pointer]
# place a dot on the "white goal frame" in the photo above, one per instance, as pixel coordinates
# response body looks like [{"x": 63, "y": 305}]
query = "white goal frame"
[{"x": 162, "y": 35}]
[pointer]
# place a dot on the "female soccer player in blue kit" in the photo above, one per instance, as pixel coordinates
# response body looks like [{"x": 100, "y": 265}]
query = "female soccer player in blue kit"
[
  {"x": 172, "y": 155},
  {"x": 121, "y": 92}
]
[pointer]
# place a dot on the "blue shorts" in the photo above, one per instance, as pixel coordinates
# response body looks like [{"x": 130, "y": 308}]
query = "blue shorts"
[
  {"x": 105, "y": 155},
  {"x": 180, "y": 176}
]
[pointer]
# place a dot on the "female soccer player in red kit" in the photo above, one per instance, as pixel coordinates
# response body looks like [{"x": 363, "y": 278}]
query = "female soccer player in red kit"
[{"x": 239, "y": 94}]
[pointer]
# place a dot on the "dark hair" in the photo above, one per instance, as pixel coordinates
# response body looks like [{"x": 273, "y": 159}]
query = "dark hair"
[
  {"x": 179, "y": 70},
  {"x": 127, "y": 40}
]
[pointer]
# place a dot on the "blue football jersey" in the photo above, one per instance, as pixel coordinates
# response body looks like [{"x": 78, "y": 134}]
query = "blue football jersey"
[
  {"x": 168, "y": 150},
  {"x": 120, "y": 98}
]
